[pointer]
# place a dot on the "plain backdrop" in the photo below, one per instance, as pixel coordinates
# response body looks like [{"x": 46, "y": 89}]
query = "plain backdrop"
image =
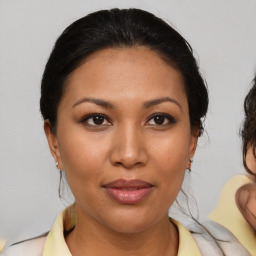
[{"x": 223, "y": 36}]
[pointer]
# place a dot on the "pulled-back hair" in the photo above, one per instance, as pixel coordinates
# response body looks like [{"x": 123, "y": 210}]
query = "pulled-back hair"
[
  {"x": 248, "y": 131},
  {"x": 123, "y": 28}
]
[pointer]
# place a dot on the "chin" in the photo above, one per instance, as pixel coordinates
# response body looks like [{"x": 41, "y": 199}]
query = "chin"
[
  {"x": 130, "y": 222},
  {"x": 130, "y": 227}
]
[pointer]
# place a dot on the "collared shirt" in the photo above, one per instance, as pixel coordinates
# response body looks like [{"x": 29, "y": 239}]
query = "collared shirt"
[
  {"x": 228, "y": 215},
  {"x": 55, "y": 244}
]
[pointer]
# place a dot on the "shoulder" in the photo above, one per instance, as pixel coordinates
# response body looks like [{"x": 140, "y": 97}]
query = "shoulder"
[
  {"x": 33, "y": 247},
  {"x": 214, "y": 239},
  {"x": 227, "y": 213}
]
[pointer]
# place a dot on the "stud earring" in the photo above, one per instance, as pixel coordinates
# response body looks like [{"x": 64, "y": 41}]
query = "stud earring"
[
  {"x": 57, "y": 163},
  {"x": 190, "y": 163}
]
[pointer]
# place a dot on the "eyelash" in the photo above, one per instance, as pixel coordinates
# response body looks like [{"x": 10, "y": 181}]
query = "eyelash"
[
  {"x": 88, "y": 117},
  {"x": 85, "y": 120},
  {"x": 169, "y": 118}
]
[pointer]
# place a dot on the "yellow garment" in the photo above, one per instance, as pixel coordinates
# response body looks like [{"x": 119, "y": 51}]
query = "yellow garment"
[
  {"x": 228, "y": 215},
  {"x": 2, "y": 243},
  {"x": 187, "y": 244},
  {"x": 55, "y": 244}
]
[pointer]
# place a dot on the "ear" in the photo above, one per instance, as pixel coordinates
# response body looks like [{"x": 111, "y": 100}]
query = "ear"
[
  {"x": 193, "y": 141},
  {"x": 251, "y": 160},
  {"x": 53, "y": 143},
  {"x": 193, "y": 145}
]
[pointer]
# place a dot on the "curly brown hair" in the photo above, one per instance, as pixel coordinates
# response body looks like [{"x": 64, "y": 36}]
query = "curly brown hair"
[{"x": 248, "y": 131}]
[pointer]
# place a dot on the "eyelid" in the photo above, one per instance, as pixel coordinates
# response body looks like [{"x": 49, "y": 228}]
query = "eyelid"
[
  {"x": 87, "y": 117},
  {"x": 170, "y": 118},
  {"x": 84, "y": 120}
]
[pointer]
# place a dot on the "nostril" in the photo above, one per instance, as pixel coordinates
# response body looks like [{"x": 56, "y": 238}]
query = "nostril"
[
  {"x": 127, "y": 165},
  {"x": 118, "y": 163}
]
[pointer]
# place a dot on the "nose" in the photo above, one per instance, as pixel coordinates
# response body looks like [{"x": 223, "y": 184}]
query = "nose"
[{"x": 129, "y": 149}]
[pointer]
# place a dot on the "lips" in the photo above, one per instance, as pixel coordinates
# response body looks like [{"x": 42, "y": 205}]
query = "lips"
[{"x": 128, "y": 191}]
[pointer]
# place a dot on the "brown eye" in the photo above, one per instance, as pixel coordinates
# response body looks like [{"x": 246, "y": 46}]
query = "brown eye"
[
  {"x": 96, "y": 120},
  {"x": 159, "y": 120}
]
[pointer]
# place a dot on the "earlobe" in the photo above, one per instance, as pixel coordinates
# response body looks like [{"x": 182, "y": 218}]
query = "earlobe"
[
  {"x": 251, "y": 160},
  {"x": 193, "y": 142},
  {"x": 52, "y": 143},
  {"x": 190, "y": 161},
  {"x": 192, "y": 147}
]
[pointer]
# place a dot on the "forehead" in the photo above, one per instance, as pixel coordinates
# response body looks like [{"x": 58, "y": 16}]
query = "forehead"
[{"x": 126, "y": 73}]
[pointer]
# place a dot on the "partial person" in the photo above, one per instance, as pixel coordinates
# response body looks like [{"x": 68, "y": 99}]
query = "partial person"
[{"x": 236, "y": 208}]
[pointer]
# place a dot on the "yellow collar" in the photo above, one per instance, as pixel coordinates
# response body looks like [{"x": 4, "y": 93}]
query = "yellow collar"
[
  {"x": 187, "y": 244},
  {"x": 55, "y": 244}
]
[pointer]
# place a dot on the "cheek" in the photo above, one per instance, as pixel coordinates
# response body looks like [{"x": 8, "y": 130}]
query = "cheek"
[
  {"x": 83, "y": 157},
  {"x": 251, "y": 160},
  {"x": 172, "y": 150},
  {"x": 83, "y": 163},
  {"x": 170, "y": 156}
]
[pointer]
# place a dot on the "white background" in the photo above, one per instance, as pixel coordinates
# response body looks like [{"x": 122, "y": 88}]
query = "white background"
[{"x": 223, "y": 35}]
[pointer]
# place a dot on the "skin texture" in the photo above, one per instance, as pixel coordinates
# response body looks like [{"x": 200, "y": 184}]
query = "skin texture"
[
  {"x": 251, "y": 162},
  {"x": 246, "y": 195},
  {"x": 127, "y": 145}
]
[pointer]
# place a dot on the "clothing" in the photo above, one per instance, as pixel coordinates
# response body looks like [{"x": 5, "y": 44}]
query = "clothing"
[
  {"x": 215, "y": 240},
  {"x": 2, "y": 242},
  {"x": 33, "y": 247},
  {"x": 228, "y": 215},
  {"x": 54, "y": 243}
]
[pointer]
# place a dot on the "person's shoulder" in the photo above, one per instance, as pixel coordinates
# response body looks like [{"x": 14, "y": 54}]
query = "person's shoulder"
[
  {"x": 214, "y": 239},
  {"x": 32, "y": 247}
]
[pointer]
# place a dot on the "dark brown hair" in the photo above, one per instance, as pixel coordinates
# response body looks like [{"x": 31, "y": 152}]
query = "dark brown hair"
[{"x": 248, "y": 131}]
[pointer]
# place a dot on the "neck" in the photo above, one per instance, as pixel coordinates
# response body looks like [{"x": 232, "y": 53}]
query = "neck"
[{"x": 92, "y": 238}]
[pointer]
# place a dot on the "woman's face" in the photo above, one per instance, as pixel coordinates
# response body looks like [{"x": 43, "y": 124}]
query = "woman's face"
[{"x": 123, "y": 137}]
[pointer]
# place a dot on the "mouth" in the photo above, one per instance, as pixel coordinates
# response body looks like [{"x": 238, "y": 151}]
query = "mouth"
[{"x": 128, "y": 192}]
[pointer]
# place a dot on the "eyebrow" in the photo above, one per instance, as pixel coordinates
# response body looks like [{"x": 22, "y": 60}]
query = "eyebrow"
[
  {"x": 147, "y": 104},
  {"x": 98, "y": 102},
  {"x": 154, "y": 102}
]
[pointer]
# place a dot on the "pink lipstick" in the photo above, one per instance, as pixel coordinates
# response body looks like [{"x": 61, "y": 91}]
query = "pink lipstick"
[{"x": 128, "y": 191}]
